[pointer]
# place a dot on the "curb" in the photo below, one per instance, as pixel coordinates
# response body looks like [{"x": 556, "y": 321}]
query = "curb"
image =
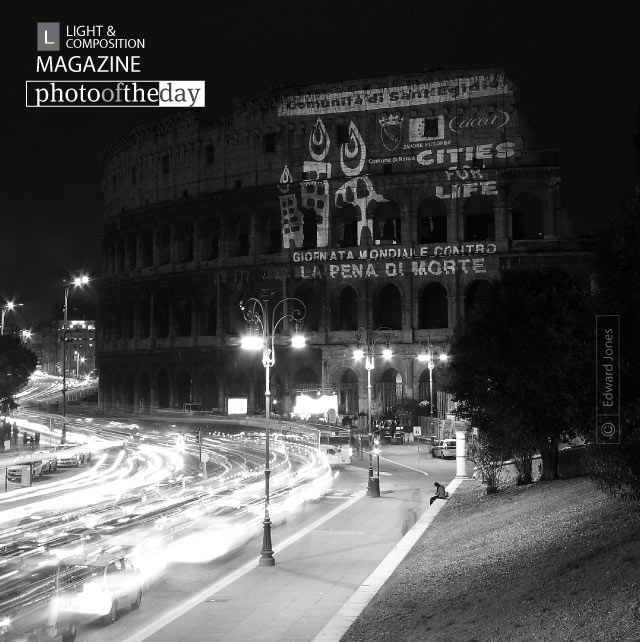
[{"x": 354, "y": 606}]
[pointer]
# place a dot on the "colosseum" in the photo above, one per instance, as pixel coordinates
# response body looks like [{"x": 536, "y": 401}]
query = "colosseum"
[{"x": 376, "y": 203}]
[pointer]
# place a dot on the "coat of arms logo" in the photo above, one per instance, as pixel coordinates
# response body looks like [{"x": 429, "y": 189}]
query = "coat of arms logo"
[{"x": 391, "y": 131}]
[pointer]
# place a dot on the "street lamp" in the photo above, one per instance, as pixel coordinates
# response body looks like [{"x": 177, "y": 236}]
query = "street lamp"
[
  {"x": 9, "y": 305},
  {"x": 261, "y": 328},
  {"x": 428, "y": 355},
  {"x": 26, "y": 335},
  {"x": 76, "y": 282},
  {"x": 366, "y": 342},
  {"x": 79, "y": 360}
]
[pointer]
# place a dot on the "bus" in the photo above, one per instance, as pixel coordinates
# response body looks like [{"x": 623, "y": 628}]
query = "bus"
[{"x": 336, "y": 446}]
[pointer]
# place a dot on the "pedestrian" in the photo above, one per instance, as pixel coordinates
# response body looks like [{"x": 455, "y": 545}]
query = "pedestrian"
[{"x": 441, "y": 493}]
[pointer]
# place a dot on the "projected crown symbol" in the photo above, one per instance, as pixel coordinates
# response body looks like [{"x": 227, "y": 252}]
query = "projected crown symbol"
[{"x": 393, "y": 119}]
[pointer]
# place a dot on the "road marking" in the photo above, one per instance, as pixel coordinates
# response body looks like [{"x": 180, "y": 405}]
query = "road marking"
[
  {"x": 349, "y": 613},
  {"x": 206, "y": 593},
  {"x": 397, "y": 463}
]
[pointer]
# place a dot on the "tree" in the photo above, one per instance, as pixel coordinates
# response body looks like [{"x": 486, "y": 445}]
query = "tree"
[
  {"x": 17, "y": 364},
  {"x": 616, "y": 466},
  {"x": 520, "y": 363}
]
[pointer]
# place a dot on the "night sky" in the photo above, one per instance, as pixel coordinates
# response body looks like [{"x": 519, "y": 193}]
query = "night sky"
[{"x": 576, "y": 72}]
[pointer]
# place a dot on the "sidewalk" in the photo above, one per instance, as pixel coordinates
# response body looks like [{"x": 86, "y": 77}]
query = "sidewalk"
[{"x": 325, "y": 574}]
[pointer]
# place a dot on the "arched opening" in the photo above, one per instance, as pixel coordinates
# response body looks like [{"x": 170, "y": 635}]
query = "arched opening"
[
  {"x": 164, "y": 245},
  {"x": 238, "y": 385},
  {"x": 183, "y": 388},
  {"x": 162, "y": 315},
  {"x": 209, "y": 239},
  {"x": 348, "y": 393},
  {"x": 185, "y": 242},
  {"x": 479, "y": 220},
  {"x": 345, "y": 225},
  {"x": 306, "y": 379},
  {"x": 127, "y": 320},
  {"x": 144, "y": 312},
  {"x": 526, "y": 217},
  {"x": 310, "y": 229},
  {"x": 311, "y": 301},
  {"x": 146, "y": 248},
  {"x": 433, "y": 307},
  {"x": 182, "y": 312},
  {"x": 390, "y": 307},
  {"x": 132, "y": 252},
  {"x": 163, "y": 390},
  {"x": 208, "y": 317},
  {"x": 271, "y": 233},
  {"x": 390, "y": 390},
  {"x": 209, "y": 390},
  {"x": 387, "y": 222},
  {"x": 347, "y": 311},
  {"x": 243, "y": 237},
  {"x": 432, "y": 221}
]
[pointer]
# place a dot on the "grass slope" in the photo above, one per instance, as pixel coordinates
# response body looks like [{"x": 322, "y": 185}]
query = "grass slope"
[{"x": 553, "y": 562}]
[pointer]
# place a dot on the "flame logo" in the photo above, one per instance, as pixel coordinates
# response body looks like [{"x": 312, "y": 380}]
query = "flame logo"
[
  {"x": 319, "y": 138},
  {"x": 285, "y": 180},
  {"x": 353, "y": 149}
]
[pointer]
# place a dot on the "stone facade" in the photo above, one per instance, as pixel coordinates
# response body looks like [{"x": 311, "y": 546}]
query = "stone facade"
[{"x": 377, "y": 202}]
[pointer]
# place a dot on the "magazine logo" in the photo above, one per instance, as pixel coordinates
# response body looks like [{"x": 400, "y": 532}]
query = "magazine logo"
[
  {"x": 496, "y": 120},
  {"x": 48, "y": 36},
  {"x": 115, "y": 93}
]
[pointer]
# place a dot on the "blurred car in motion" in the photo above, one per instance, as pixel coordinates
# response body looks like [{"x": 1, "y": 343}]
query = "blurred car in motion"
[
  {"x": 110, "y": 583},
  {"x": 35, "y": 594},
  {"x": 77, "y": 545}
]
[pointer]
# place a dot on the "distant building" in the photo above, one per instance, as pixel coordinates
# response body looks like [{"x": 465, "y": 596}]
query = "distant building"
[
  {"x": 80, "y": 356},
  {"x": 377, "y": 202}
]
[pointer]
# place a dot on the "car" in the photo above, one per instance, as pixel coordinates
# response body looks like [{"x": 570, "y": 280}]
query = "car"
[
  {"x": 76, "y": 545},
  {"x": 444, "y": 448},
  {"x": 39, "y": 462},
  {"x": 35, "y": 593},
  {"x": 71, "y": 455},
  {"x": 110, "y": 583}
]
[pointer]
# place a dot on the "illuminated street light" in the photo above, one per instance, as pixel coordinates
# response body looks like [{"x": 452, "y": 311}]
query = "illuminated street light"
[
  {"x": 76, "y": 282},
  {"x": 26, "y": 336},
  {"x": 428, "y": 355},
  {"x": 365, "y": 337},
  {"x": 261, "y": 328},
  {"x": 9, "y": 305}
]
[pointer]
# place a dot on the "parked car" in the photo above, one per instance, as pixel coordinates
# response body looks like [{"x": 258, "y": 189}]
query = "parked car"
[
  {"x": 110, "y": 583},
  {"x": 444, "y": 448},
  {"x": 41, "y": 462},
  {"x": 34, "y": 596}
]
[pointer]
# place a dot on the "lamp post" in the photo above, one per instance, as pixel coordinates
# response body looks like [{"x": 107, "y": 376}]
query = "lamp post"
[
  {"x": 366, "y": 342},
  {"x": 428, "y": 355},
  {"x": 26, "y": 335},
  {"x": 79, "y": 360},
  {"x": 261, "y": 326},
  {"x": 76, "y": 282},
  {"x": 9, "y": 305}
]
